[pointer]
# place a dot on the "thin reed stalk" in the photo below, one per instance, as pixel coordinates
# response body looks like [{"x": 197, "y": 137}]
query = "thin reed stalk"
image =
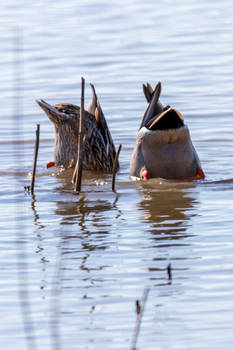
[
  {"x": 169, "y": 272},
  {"x": 140, "y": 306},
  {"x": 115, "y": 168},
  {"x": 35, "y": 158},
  {"x": 77, "y": 175},
  {"x": 20, "y": 227}
]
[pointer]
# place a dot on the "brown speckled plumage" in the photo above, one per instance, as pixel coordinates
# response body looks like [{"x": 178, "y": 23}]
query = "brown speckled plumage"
[{"x": 99, "y": 150}]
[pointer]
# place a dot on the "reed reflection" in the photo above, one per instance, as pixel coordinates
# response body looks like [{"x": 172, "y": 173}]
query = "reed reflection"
[{"x": 92, "y": 209}]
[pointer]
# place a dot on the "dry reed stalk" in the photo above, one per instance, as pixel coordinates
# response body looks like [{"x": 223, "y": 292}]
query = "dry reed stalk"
[
  {"x": 77, "y": 176},
  {"x": 169, "y": 272},
  {"x": 115, "y": 168},
  {"x": 20, "y": 227},
  {"x": 140, "y": 306},
  {"x": 35, "y": 158}
]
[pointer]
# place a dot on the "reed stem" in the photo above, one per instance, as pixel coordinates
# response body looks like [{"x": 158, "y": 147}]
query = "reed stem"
[
  {"x": 169, "y": 272},
  {"x": 77, "y": 176},
  {"x": 140, "y": 306},
  {"x": 115, "y": 168},
  {"x": 35, "y": 158}
]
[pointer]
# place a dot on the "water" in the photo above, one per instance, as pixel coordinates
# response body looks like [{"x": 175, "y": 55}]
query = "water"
[{"x": 84, "y": 260}]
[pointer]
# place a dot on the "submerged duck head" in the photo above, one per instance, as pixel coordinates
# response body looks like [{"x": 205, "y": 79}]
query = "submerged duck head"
[
  {"x": 99, "y": 150},
  {"x": 163, "y": 144}
]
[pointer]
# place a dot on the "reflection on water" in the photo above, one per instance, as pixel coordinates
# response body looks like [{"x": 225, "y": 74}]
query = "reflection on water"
[
  {"x": 168, "y": 207},
  {"x": 91, "y": 208},
  {"x": 81, "y": 211},
  {"x": 94, "y": 253}
]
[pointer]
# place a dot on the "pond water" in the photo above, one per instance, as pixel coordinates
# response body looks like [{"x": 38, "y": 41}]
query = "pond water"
[{"x": 72, "y": 266}]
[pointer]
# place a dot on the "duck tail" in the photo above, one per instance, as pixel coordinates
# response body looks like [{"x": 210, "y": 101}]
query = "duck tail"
[
  {"x": 93, "y": 105},
  {"x": 152, "y": 97}
]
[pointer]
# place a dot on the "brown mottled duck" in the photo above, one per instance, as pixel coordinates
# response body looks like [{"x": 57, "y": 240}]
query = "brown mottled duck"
[{"x": 98, "y": 147}]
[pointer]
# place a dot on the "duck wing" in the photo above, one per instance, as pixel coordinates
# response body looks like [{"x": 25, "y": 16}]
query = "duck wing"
[{"x": 95, "y": 108}]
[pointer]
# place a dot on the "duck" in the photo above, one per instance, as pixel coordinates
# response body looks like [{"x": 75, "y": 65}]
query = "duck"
[
  {"x": 163, "y": 148},
  {"x": 99, "y": 149}
]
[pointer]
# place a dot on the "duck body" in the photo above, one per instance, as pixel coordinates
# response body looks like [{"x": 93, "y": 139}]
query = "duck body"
[
  {"x": 163, "y": 145},
  {"x": 99, "y": 150}
]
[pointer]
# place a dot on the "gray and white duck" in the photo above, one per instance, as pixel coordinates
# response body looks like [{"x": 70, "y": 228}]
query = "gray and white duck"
[{"x": 163, "y": 145}]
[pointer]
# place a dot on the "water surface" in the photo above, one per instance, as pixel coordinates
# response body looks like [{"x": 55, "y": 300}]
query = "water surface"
[{"x": 78, "y": 263}]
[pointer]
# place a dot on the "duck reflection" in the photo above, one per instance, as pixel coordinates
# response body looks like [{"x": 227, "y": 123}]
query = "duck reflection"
[
  {"x": 93, "y": 211},
  {"x": 79, "y": 207},
  {"x": 82, "y": 211},
  {"x": 168, "y": 206}
]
